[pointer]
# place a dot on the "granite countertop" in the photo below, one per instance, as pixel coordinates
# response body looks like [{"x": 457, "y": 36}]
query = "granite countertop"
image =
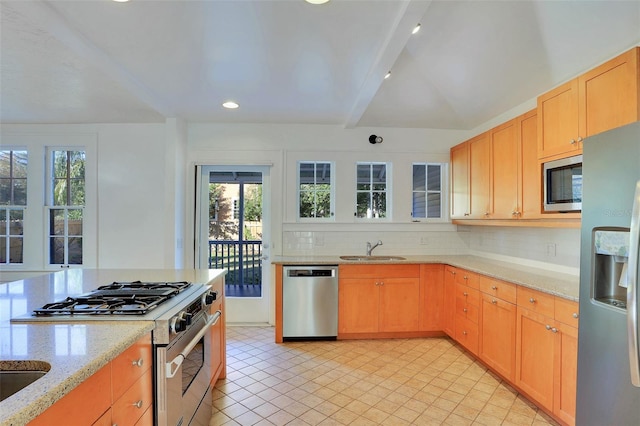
[
  {"x": 73, "y": 350},
  {"x": 559, "y": 284}
]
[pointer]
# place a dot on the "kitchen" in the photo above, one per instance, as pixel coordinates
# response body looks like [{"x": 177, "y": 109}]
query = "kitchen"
[{"x": 128, "y": 191}]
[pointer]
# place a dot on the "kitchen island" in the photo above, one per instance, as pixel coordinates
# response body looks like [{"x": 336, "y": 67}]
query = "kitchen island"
[{"x": 73, "y": 350}]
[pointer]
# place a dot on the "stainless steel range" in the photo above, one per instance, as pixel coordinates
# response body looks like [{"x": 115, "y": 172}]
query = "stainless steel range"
[{"x": 184, "y": 314}]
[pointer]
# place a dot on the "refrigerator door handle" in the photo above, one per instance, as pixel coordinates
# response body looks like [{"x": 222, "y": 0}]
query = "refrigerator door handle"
[{"x": 632, "y": 290}]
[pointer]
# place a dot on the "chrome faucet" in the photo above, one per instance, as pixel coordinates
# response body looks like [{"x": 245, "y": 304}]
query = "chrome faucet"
[{"x": 370, "y": 249}]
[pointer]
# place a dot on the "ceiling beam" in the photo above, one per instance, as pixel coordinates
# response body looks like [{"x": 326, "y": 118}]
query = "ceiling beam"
[
  {"x": 410, "y": 14},
  {"x": 51, "y": 21}
]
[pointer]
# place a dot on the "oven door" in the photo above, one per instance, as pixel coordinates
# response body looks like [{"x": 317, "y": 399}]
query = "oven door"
[{"x": 183, "y": 372}]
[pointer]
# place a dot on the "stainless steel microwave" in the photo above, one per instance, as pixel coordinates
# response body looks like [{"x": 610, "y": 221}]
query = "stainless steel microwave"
[{"x": 563, "y": 185}]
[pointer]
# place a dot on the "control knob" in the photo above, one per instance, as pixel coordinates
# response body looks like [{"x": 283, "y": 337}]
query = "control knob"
[
  {"x": 209, "y": 297},
  {"x": 180, "y": 322}
]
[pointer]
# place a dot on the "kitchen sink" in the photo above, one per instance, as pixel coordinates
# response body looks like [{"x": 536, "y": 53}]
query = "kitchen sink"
[
  {"x": 371, "y": 258},
  {"x": 17, "y": 375}
]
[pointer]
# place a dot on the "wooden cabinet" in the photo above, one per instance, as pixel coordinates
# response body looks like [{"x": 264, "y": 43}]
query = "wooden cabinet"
[
  {"x": 467, "y": 307},
  {"x": 530, "y": 171},
  {"x": 480, "y": 176},
  {"x": 504, "y": 167},
  {"x": 460, "y": 194},
  {"x": 449, "y": 315},
  {"x": 431, "y": 297},
  {"x": 603, "y": 98},
  {"x": 119, "y": 393},
  {"x": 378, "y": 298},
  {"x": 546, "y": 352},
  {"x": 218, "y": 334},
  {"x": 497, "y": 340}
]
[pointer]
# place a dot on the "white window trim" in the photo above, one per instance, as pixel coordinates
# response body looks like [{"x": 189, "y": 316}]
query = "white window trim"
[
  {"x": 388, "y": 191},
  {"x": 444, "y": 191},
  {"x": 332, "y": 193}
]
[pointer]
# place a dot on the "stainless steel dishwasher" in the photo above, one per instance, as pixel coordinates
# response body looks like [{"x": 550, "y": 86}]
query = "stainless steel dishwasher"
[{"x": 310, "y": 302}]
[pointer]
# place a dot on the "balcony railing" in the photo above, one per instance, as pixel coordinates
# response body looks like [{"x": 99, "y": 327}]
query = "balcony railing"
[{"x": 242, "y": 260}]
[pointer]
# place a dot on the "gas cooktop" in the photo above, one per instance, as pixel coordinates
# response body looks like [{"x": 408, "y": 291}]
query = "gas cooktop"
[{"x": 117, "y": 298}]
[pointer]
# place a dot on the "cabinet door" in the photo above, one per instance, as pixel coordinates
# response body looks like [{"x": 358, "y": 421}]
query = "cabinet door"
[
  {"x": 460, "y": 181},
  {"x": 431, "y": 297},
  {"x": 497, "y": 345},
  {"x": 449, "y": 317},
  {"x": 530, "y": 175},
  {"x": 566, "y": 373},
  {"x": 217, "y": 342},
  {"x": 130, "y": 365},
  {"x": 535, "y": 356},
  {"x": 134, "y": 402},
  {"x": 358, "y": 302},
  {"x": 504, "y": 166},
  {"x": 558, "y": 120},
  {"x": 480, "y": 176},
  {"x": 399, "y": 304},
  {"x": 609, "y": 95}
]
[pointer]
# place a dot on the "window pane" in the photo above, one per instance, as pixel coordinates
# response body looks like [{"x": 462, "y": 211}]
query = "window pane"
[
  {"x": 306, "y": 172},
  {"x": 56, "y": 222},
  {"x": 5, "y": 192},
  {"x": 20, "y": 164},
  {"x": 15, "y": 250},
  {"x": 59, "y": 164},
  {"x": 363, "y": 207},
  {"x": 76, "y": 164},
  {"x": 434, "y": 204},
  {"x": 433, "y": 178},
  {"x": 3, "y": 253},
  {"x": 77, "y": 192},
  {"x": 56, "y": 250},
  {"x": 418, "y": 177},
  {"x": 60, "y": 192},
  {"x": 75, "y": 222},
  {"x": 5, "y": 164},
  {"x": 16, "y": 217},
  {"x": 419, "y": 203},
  {"x": 3, "y": 222},
  {"x": 379, "y": 172},
  {"x": 75, "y": 250},
  {"x": 323, "y": 202},
  {"x": 363, "y": 172},
  {"x": 19, "y": 192},
  {"x": 306, "y": 204},
  {"x": 323, "y": 172},
  {"x": 379, "y": 204}
]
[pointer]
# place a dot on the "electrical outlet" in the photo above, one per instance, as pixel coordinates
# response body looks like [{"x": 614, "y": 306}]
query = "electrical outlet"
[{"x": 551, "y": 250}]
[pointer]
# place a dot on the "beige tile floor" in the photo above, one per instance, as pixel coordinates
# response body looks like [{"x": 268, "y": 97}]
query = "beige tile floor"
[{"x": 362, "y": 382}]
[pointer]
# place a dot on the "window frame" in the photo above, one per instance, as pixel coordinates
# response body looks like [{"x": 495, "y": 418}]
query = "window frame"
[
  {"x": 6, "y": 209},
  {"x": 332, "y": 191},
  {"x": 444, "y": 192},
  {"x": 388, "y": 192}
]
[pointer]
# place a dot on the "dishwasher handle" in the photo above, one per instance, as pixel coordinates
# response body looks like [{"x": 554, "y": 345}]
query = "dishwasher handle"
[{"x": 308, "y": 272}]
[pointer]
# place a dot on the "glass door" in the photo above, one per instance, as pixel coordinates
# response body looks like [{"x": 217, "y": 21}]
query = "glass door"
[{"x": 232, "y": 237}]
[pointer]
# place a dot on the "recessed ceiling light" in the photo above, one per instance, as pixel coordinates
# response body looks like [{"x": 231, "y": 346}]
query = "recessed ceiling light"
[
  {"x": 387, "y": 75},
  {"x": 317, "y": 1},
  {"x": 230, "y": 105},
  {"x": 121, "y": 1},
  {"x": 416, "y": 29}
]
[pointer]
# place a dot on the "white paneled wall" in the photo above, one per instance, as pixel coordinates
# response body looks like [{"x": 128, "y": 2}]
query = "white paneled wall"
[
  {"x": 555, "y": 246},
  {"x": 331, "y": 243}
]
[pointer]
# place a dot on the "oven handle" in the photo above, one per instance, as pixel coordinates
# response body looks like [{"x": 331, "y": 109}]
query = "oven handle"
[{"x": 172, "y": 367}]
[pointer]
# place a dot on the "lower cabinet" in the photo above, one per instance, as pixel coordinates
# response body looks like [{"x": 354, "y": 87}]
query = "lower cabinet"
[
  {"x": 449, "y": 314},
  {"x": 432, "y": 301},
  {"x": 378, "y": 298},
  {"x": 547, "y": 352},
  {"x": 119, "y": 393}
]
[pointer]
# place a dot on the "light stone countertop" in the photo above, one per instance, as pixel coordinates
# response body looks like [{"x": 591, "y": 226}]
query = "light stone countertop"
[
  {"x": 74, "y": 350},
  {"x": 559, "y": 284}
]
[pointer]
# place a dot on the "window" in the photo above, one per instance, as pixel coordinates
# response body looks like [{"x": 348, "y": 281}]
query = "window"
[
  {"x": 67, "y": 186},
  {"x": 427, "y": 191},
  {"x": 371, "y": 190},
  {"x": 315, "y": 195},
  {"x": 13, "y": 202}
]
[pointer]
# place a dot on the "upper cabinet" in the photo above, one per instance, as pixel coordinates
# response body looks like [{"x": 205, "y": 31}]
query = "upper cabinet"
[
  {"x": 604, "y": 98},
  {"x": 495, "y": 175}
]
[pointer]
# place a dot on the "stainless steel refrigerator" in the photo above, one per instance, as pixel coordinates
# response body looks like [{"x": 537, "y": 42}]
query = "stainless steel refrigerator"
[{"x": 608, "y": 388}]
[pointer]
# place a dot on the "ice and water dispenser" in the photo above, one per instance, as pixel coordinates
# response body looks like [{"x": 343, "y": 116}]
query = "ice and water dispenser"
[{"x": 610, "y": 255}]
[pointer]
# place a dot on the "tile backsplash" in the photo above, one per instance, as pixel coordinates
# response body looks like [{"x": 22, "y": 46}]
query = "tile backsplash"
[{"x": 556, "y": 247}]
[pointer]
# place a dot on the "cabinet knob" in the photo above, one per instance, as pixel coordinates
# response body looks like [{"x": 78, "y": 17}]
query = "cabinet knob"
[
  {"x": 137, "y": 404},
  {"x": 486, "y": 213},
  {"x": 464, "y": 309},
  {"x": 548, "y": 327},
  {"x": 572, "y": 141},
  {"x": 466, "y": 277},
  {"x": 532, "y": 300},
  {"x": 493, "y": 287},
  {"x": 494, "y": 301},
  {"x": 575, "y": 315},
  {"x": 138, "y": 362},
  {"x": 579, "y": 138},
  {"x": 464, "y": 332},
  {"x": 467, "y": 214},
  {"x": 554, "y": 330},
  {"x": 381, "y": 282},
  {"x": 465, "y": 294}
]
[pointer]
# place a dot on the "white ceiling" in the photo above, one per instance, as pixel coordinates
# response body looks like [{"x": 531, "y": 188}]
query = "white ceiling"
[{"x": 286, "y": 61}]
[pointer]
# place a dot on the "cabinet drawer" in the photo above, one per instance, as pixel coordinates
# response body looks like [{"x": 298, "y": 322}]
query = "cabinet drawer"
[
  {"x": 567, "y": 311},
  {"x": 536, "y": 301},
  {"x": 499, "y": 289},
  {"x": 466, "y": 310},
  {"x": 379, "y": 271},
  {"x": 467, "y": 278},
  {"x": 130, "y": 365},
  {"x": 470, "y": 295},
  {"x": 467, "y": 334},
  {"x": 147, "y": 418},
  {"x": 134, "y": 402}
]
